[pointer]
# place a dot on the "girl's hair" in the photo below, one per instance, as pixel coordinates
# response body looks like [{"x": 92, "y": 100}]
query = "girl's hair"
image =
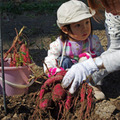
[{"x": 64, "y": 36}]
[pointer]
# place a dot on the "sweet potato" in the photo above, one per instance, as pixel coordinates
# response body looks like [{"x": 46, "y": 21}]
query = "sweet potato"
[
  {"x": 58, "y": 93},
  {"x": 42, "y": 92},
  {"x": 68, "y": 101},
  {"x": 55, "y": 79},
  {"x": 56, "y": 99},
  {"x": 46, "y": 101},
  {"x": 25, "y": 54}
]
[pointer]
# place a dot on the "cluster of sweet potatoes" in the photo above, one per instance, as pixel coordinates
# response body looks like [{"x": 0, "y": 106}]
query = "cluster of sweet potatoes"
[
  {"x": 19, "y": 51},
  {"x": 52, "y": 95},
  {"x": 52, "y": 91}
]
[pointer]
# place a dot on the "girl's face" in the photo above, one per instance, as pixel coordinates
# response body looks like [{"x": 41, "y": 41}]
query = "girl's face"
[{"x": 80, "y": 30}]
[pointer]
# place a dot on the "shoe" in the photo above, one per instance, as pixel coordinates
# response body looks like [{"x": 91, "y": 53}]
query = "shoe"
[{"x": 98, "y": 94}]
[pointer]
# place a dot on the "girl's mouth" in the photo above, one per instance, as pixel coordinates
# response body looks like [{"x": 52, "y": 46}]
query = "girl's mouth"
[{"x": 85, "y": 34}]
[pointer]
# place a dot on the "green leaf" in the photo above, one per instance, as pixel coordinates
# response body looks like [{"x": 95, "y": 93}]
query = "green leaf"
[{"x": 23, "y": 53}]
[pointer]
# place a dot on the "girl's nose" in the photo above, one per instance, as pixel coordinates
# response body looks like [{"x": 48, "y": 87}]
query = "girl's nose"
[{"x": 83, "y": 27}]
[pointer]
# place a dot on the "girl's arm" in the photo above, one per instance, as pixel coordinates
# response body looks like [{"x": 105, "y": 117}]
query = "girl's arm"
[{"x": 53, "y": 53}]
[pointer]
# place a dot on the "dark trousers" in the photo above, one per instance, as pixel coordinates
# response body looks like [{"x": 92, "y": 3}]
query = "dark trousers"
[{"x": 66, "y": 63}]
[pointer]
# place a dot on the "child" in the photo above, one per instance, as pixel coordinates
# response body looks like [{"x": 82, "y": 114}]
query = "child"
[{"x": 75, "y": 40}]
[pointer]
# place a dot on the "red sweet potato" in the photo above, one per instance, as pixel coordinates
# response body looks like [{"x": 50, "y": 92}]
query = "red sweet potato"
[
  {"x": 42, "y": 92},
  {"x": 25, "y": 54},
  {"x": 46, "y": 101},
  {"x": 68, "y": 101},
  {"x": 58, "y": 78},
  {"x": 54, "y": 89},
  {"x": 58, "y": 93},
  {"x": 45, "y": 104}
]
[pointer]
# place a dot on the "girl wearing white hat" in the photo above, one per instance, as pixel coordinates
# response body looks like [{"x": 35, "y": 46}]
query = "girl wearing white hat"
[{"x": 75, "y": 40}]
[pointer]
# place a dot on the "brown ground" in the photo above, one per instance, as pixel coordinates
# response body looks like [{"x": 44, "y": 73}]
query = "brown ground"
[{"x": 42, "y": 31}]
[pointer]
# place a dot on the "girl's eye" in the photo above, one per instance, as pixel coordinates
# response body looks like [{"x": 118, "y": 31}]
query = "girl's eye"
[
  {"x": 87, "y": 22},
  {"x": 78, "y": 25}
]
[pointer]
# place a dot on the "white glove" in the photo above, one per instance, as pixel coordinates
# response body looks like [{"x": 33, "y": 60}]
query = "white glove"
[{"x": 78, "y": 73}]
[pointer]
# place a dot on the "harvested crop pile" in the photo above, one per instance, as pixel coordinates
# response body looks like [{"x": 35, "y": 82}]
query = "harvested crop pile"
[{"x": 60, "y": 104}]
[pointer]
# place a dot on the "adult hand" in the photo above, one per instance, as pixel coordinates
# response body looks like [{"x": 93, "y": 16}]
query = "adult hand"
[{"x": 78, "y": 73}]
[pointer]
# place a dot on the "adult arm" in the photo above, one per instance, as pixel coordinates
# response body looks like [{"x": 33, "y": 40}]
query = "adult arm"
[
  {"x": 111, "y": 56},
  {"x": 98, "y": 49},
  {"x": 111, "y": 61}
]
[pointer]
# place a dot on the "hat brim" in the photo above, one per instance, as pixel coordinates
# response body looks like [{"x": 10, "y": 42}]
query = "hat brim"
[{"x": 78, "y": 18}]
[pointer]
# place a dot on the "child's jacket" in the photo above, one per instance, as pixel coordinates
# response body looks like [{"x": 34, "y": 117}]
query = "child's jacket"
[{"x": 72, "y": 49}]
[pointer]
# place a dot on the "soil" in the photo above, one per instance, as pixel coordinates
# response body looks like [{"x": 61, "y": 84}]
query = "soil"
[{"x": 42, "y": 30}]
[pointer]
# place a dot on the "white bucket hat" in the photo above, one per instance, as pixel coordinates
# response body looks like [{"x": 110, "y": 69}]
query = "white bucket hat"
[{"x": 73, "y": 11}]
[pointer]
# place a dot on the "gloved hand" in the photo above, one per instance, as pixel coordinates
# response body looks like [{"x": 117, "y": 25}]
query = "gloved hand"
[
  {"x": 78, "y": 73},
  {"x": 53, "y": 71}
]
